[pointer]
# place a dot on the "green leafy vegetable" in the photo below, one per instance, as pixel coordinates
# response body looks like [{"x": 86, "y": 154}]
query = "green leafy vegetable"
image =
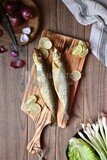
[
  {"x": 96, "y": 136},
  {"x": 80, "y": 150}
]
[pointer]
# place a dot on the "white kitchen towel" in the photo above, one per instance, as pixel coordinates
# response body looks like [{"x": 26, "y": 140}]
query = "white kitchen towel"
[{"x": 92, "y": 12}]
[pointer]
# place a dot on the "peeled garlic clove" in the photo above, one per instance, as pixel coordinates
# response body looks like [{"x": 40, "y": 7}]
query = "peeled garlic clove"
[
  {"x": 26, "y": 30},
  {"x": 24, "y": 38}
]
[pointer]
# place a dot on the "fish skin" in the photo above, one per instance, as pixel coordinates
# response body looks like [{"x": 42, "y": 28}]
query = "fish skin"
[
  {"x": 44, "y": 83},
  {"x": 60, "y": 81}
]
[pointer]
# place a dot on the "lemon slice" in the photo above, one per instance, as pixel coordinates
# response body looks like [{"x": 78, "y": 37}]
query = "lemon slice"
[
  {"x": 77, "y": 50},
  {"x": 83, "y": 44},
  {"x": 45, "y": 43},
  {"x": 83, "y": 49},
  {"x": 84, "y": 53},
  {"x": 27, "y": 107},
  {"x": 75, "y": 75},
  {"x": 44, "y": 53},
  {"x": 31, "y": 99},
  {"x": 36, "y": 108}
]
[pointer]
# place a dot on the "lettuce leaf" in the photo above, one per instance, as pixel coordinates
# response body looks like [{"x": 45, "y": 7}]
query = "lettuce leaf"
[{"x": 80, "y": 150}]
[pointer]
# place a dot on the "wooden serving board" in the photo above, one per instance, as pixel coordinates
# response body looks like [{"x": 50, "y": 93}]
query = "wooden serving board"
[
  {"x": 32, "y": 23},
  {"x": 66, "y": 46}
]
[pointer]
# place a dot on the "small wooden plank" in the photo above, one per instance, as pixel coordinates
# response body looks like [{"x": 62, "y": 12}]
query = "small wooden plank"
[
  {"x": 32, "y": 23},
  {"x": 66, "y": 46}
]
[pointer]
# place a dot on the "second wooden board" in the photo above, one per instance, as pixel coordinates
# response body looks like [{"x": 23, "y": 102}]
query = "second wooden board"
[
  {"x": 66, "y": 46},
  {"x": 33, "y": 23}
]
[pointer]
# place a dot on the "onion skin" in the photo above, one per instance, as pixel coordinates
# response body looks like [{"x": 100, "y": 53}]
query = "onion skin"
[
  {"x": 16, "y": 20},
  {"x": 17, "y": 64},
  {"x": 2, "y": 49},
  {"x": 12, "y": 7},
  {"x": 26, "y": 12},
  {"x": 14, "y": 53}
]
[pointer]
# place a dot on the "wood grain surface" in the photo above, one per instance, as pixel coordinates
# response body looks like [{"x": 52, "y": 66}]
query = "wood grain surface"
[{"x": 89, "y": 101}]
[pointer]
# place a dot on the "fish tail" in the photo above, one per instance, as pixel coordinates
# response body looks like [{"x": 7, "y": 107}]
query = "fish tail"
[
  {"x": 53, "y": 117},
  {"x": 66, "y": 116}
]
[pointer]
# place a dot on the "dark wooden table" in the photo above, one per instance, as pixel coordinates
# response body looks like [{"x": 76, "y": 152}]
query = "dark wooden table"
[{"x": 16, "y": 129}]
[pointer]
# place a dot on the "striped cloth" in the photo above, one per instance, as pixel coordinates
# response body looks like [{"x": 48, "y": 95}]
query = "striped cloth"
[{"x": 92, "y": 12}]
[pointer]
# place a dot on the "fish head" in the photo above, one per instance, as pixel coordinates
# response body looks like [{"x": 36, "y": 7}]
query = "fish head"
[
  {"x": 56, "y": 55},
  {"x": 37, "y": 57}
]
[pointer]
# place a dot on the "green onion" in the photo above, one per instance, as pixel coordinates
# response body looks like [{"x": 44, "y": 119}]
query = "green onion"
[{"x": 95, "y": 134}]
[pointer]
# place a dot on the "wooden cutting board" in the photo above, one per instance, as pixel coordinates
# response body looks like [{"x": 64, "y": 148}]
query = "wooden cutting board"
[{"x": 66, "y": 46}]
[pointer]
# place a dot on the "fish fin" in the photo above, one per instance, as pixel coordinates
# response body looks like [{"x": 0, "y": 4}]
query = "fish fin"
[
  {"x": 55, "y": 65},
  {"x": 56, "y": 84}
]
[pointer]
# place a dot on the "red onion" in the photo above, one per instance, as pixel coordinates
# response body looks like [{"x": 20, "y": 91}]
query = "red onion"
[
  {"x": 16, "y": 20},
  {"x": 2, "y": 49},
  {"x": 12, "y": 7},
  {"x": 26, "y": 12},
  {"x": 17, "y": 64},
  {"x": 1, "y": 32},
  {"x": 14, "y": 53}
]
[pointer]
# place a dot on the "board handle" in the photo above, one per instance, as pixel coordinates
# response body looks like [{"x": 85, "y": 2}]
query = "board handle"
[{"x": 44, "y": 118}]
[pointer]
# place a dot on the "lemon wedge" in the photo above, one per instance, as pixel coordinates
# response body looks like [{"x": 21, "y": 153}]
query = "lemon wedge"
[
  {"x": 84, "y": 46},
  {"x": 81, "y": 49},
  {"x": 36, "y": 108},
  {"x": 75, "y": 75},
  {"x": 84, "y": 53},
  {"x": 31, "y": 99},
  {"x": 45, "y": 43},
  {"x": 27, "y": 107},
  {"x": 77, "y": 50},
  {"x": 28, "y": 104}
]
